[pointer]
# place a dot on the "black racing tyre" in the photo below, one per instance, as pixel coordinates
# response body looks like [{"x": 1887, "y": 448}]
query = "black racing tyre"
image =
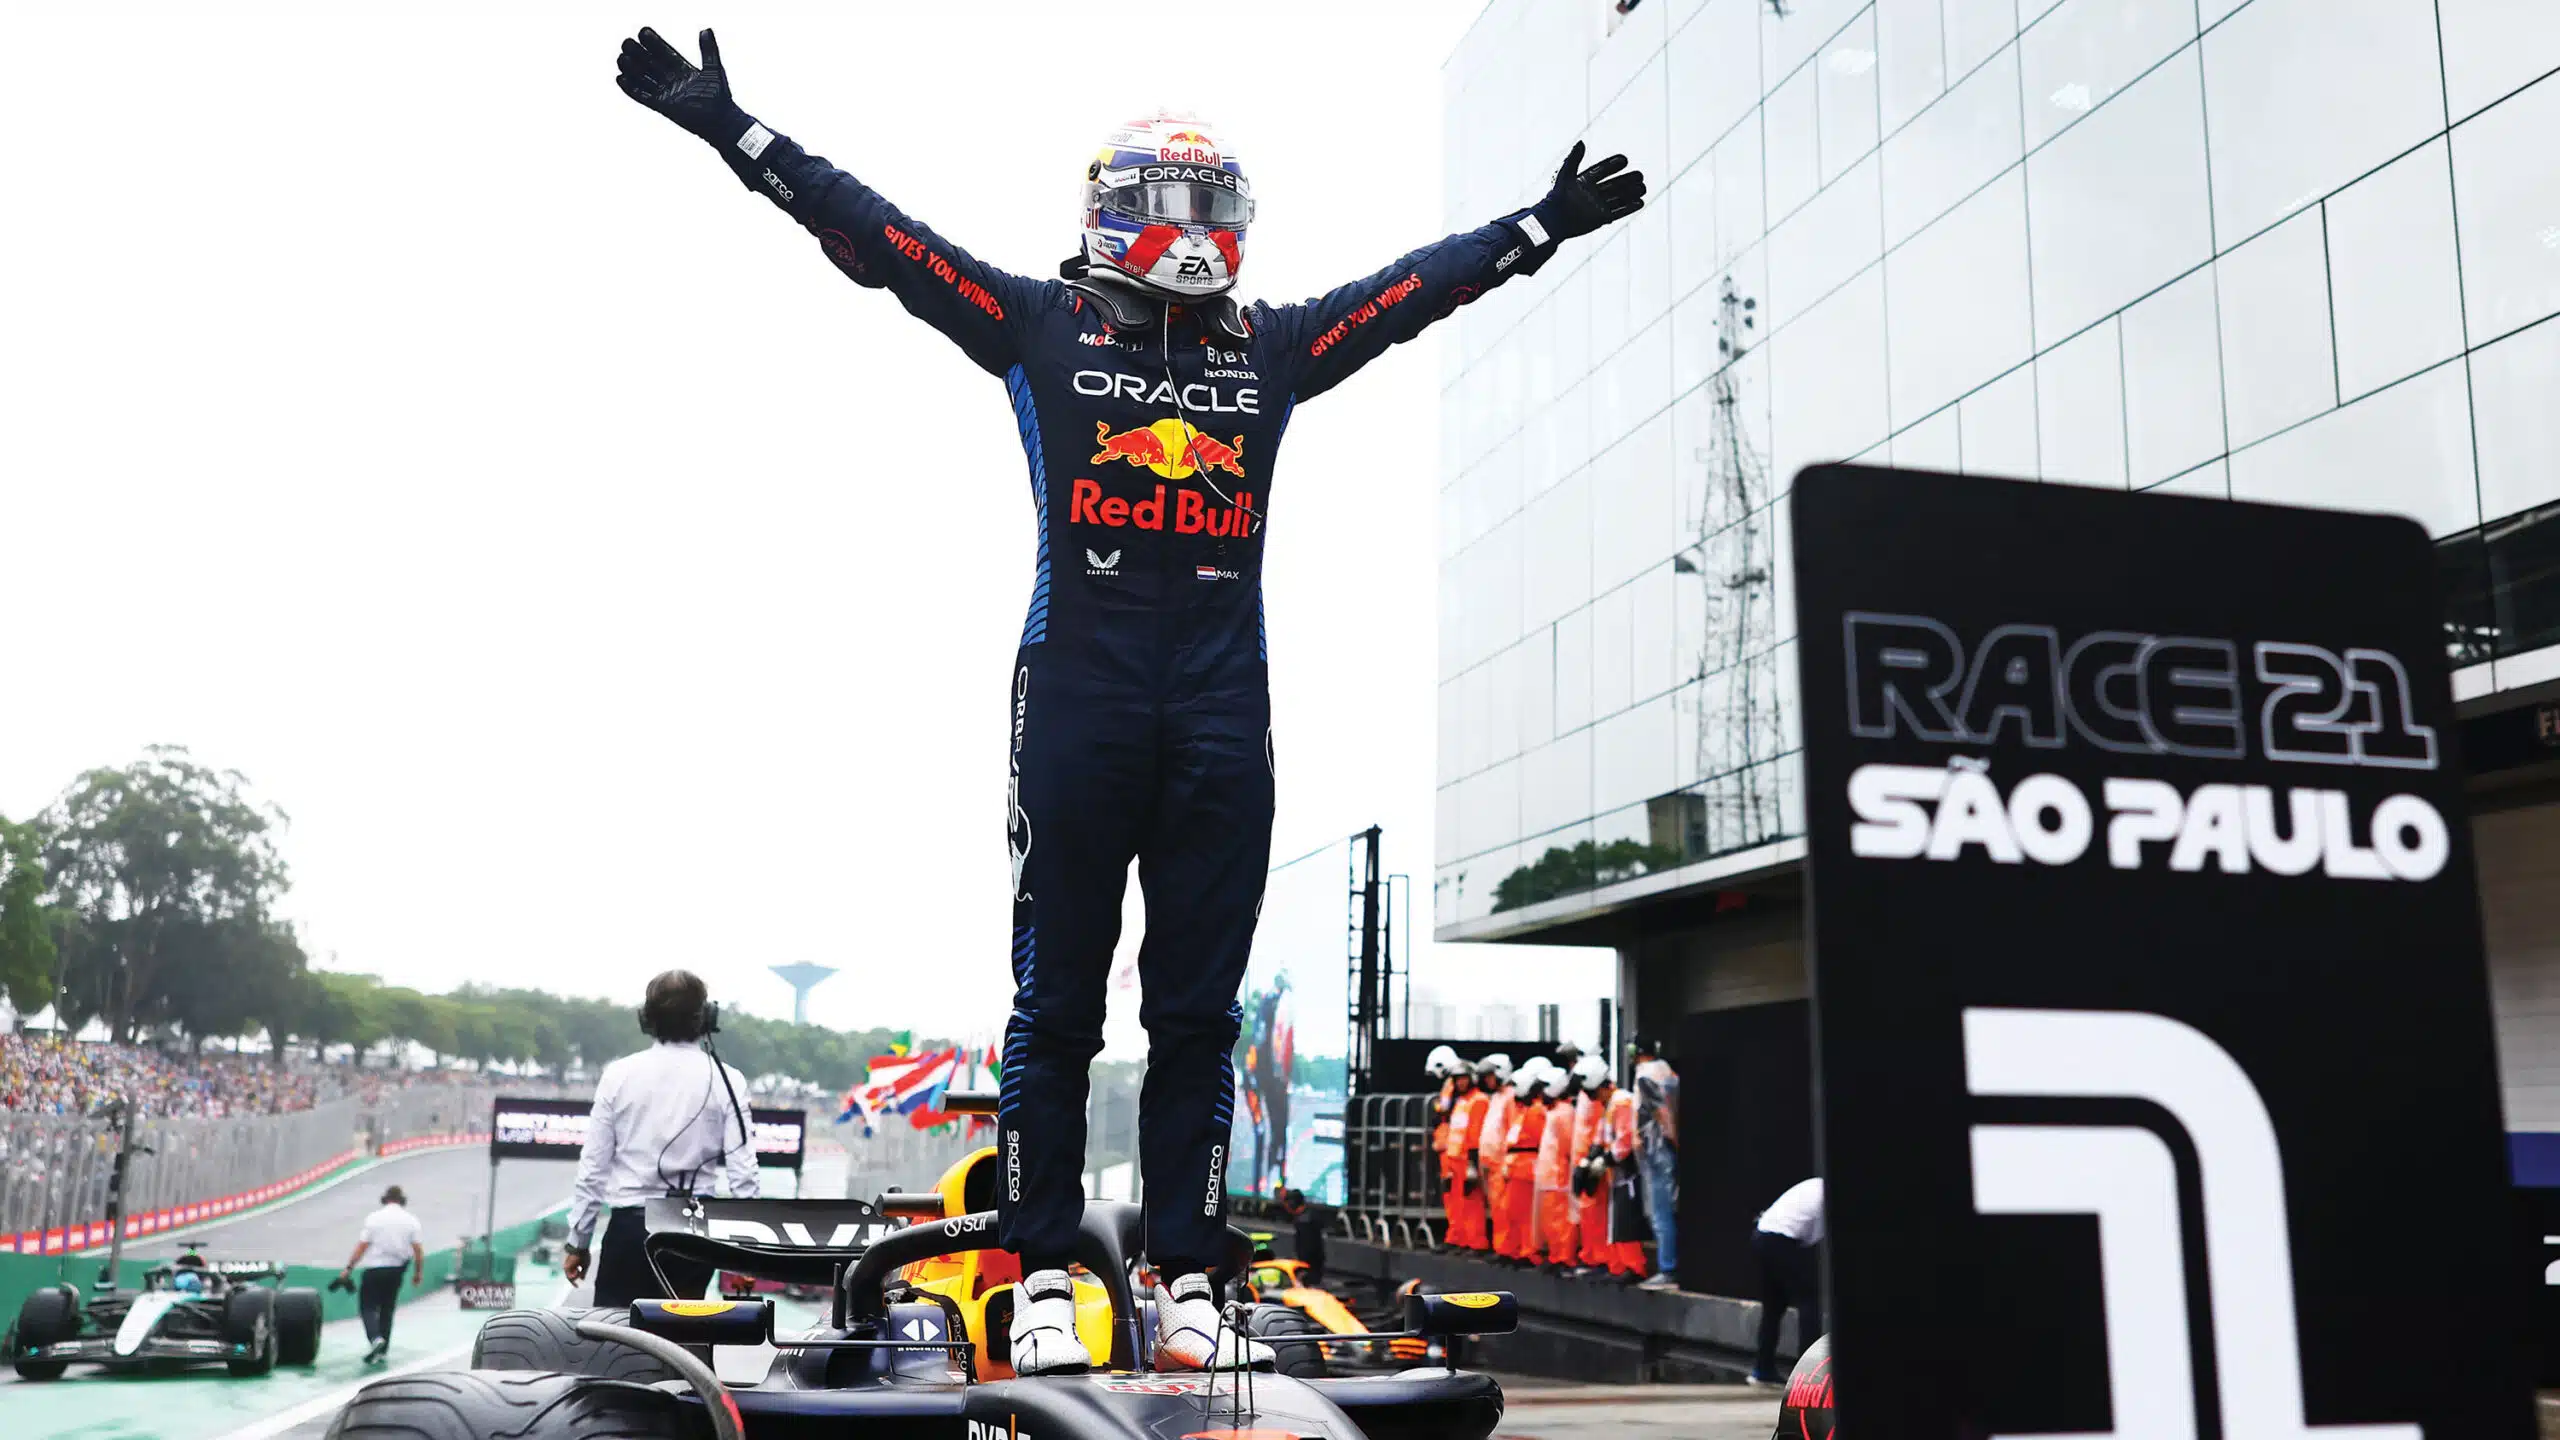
[
  {"x": 249, "y": 1318},
  {"x": 549, "y": 1340},
  {"x": 520, "y": 1404},
  {"x": 48, "y": 1317},
  {"x": 1305, "y": 1362},
  {"x": 298, "y": 1317}
]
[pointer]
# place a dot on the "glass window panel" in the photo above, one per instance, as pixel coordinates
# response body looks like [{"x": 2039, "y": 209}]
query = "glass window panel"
[
  {"x": 1444, "y": 825},
  {"x": 2117, "y": 205},
  {"x": 1608, "y": 296},
  {"x": 1689, "y": 637},
  {"x": 2406, "y": 451},
  {"x": 1573, "y": 428},
  {"x": 1502, "y": 704},
  {"x": 1740, "y": 222},
  {"x": 1573, "y": 671},
  {"x": 1827, "y": 389},
  {"x": 2211, "y": 480},
  {"x": 1536, "y": 337},
  {"x": 1573, "y": 327},
  {"x": 1714, "y": 76},
  {"x": 1499, "y": 608},
  {"x": 1635, "y": 521},
  {"x": 1655, "y": 664},
  {"x": 2209, "y": 13},
  {"x": 1470, "y": 890},
  {"x": 2276, "y": 361},
  {"x": 1450, "y": 718},
  {"x": 2394, "y": 282},
  {"x": 2507, "y": 193},
  {"x": 1633, "y": 125},
  {"x": 1998, "y": 423},
  {"x": 1693, "y": 339},
  {"x": 1930, "y": 445},
  {"x": 2031, "y": 11},
  {"x": 1498, "y": 476},
  {"x": 1772, "y": 547},
  {"x": 1615, "y": 64},
  {"x": 2309, "y": 94},
  {"x": 1450, "y": 524},
  {"x": 1690, "y": 209},
  {"x": 1535, "y": 675},
  {"x": 1555, "y": 788},
  {"x": 1489, "y": 809},
  {"x": 1790, "y": 39},
  {"x": 1957, "y": 309},
  {"x": 2172, "y": 380},
  {"x": 2523, "y": 555},
  {"x": 1648, "y": 266},
  {"x": 2080, "y": 409},
  {"x": 1561, "y": 580},
  {"x": 1793, "y": 143},
  {"x": 1953, "y": 149},
  {"x": 1786, "y": 670},
  {"x": 1631, "y": 755},
  {"x": 1643, "y": 373},
  {"x": 2084, "y": 51},
  {"x": 2494, "y": 47},
  {"x": 1845, "y": 80},
  {"x": 1613, "y": 653},
  {"x": 1911, "y": 58},
  {"x": 1680, "y": 12},
  {"x": 2515, "y": 397},
  {"x": 1836, "y": 235},
  {"x": 1975, "y": 29},
  {"x": 1475, "y": 739}
]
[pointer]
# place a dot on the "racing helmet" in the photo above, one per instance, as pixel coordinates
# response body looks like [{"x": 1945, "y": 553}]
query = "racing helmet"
[
  {"x": 1442, "y": 1063},
  {"x": 1165, "y": 207},
  {"x": 187, "y": 1282},
  {"x": 1592, "y": 1071},
  {"x": 1496, "y": 1067}
]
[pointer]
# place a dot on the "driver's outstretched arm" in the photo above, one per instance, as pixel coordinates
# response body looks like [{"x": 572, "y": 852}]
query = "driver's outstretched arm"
[{"x": 977, "y": 305}]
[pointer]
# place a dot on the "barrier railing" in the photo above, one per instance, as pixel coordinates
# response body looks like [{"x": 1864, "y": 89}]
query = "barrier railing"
[{"x": 1391, "y": 1178}]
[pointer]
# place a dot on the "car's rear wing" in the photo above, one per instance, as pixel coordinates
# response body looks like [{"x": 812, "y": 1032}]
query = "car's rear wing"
[{"x": 794, "y": 1242}]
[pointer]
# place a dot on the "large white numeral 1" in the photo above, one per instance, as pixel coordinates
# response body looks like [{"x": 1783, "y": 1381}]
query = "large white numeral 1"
[{"x": 2108, "y": 1054}]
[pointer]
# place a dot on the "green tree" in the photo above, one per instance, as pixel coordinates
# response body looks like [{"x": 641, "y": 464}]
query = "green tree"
[
  {"x": 27, "y": 949},
  {"x": 1563, "y": 871},
  {"x": 231, "y": 977},
  {"x": 141, "y": 853}
]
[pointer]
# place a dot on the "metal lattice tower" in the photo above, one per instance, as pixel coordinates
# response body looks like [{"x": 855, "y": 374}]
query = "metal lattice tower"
[{"x": 1731, "y": 557}]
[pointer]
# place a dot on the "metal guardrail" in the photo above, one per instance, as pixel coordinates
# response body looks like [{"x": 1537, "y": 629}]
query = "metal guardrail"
[
  {"x": 1391, "y": 1177},
  {"x": 54, "y": 1169}
]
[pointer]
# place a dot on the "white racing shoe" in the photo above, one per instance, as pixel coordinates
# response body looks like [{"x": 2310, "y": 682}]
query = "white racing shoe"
[
  {"x": 1044, "y": 1326},
  {"x": 1190, "y": 1335}
]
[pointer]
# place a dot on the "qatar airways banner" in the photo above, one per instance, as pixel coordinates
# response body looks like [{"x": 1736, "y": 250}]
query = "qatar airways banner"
[{"x": 2158, "y": 1092}]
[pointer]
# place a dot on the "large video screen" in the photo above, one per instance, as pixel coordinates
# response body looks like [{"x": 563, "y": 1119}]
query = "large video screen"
[
  {"x": 529, "y": 1129},
  {"x": 1287, "y": 1126}
]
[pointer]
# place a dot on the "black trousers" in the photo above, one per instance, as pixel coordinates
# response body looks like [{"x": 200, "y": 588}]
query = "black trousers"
[
  {"x": 622, "y": 1269},
  {"x": 378, "y": 1299},
  {"x": 1790, "y": 1274}
]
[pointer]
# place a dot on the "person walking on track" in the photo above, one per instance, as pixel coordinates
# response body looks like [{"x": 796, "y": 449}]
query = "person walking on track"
[{"x": 392, "y": 1241}]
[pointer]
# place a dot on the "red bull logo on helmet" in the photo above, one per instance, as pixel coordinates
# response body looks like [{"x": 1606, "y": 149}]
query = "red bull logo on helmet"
[{"x": 1188, "y": 145}]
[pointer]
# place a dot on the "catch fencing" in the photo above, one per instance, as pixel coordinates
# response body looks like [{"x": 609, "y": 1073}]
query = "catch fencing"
[
  {"x": 55, "y": 1170},
  {"x": 1391, "y": 1177}
]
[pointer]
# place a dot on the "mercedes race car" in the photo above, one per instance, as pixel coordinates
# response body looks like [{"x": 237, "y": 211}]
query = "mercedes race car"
[
  {"x": 190, "y": 1312},
  {"x": 914, "y": 1344}
]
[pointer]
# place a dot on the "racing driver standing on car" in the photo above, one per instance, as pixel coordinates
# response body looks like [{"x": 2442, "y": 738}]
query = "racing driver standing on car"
[{"x": 1149, "y": 404}]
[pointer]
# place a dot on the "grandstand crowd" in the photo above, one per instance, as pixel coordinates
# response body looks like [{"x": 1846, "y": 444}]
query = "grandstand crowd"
[{"x": 53, "y": 1075}]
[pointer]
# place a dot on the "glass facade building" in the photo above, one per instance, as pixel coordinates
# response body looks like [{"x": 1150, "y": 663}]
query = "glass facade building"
[{"x": 2291, "y": 250}]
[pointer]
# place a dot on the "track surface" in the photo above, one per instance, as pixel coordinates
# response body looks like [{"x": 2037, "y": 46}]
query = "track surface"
[{"x": 448, "y": 1191}]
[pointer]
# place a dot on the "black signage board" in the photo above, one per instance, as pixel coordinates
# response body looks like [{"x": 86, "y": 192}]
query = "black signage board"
[
  {"x": 529, "y": 1129},
  {"x": 2157, "y": 1085}
]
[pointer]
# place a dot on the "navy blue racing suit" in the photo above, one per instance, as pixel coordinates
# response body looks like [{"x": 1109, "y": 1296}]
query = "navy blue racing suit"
[{"x": 1140, "y": 700}]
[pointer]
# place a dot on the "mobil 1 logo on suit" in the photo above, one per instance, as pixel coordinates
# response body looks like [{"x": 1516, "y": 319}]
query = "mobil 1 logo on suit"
[{"x": 2158, "y": 1092}]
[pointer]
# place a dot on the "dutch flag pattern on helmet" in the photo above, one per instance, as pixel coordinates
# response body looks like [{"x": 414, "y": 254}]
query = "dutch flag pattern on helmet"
[{"x": 1166, "y": 206}]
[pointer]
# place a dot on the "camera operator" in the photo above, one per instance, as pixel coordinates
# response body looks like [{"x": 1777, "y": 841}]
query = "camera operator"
[{"x": 667, "y": 1121}]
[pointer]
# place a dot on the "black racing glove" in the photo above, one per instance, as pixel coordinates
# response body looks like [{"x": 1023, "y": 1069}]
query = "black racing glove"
[
  {"x": 1581, "y": 201},
  {"x": 657, "y": 75}
]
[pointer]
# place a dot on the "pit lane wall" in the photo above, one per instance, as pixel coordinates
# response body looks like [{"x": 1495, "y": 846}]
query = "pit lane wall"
[{"x": 23, "y": 1275}]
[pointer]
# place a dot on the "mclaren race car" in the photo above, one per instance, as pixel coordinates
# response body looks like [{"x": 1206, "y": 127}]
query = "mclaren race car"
[
  {"x": 190, "y": 1312},
  {"x": 913, "y": 1343}
]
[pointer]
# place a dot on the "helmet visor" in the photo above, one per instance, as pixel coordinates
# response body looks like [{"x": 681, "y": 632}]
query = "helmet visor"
[{"x": 1180, "y": 202}]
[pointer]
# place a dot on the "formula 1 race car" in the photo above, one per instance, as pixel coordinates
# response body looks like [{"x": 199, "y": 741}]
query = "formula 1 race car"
[
  {"x": 915, "y": 1343},
  {"x": 189, "y": 1312}
]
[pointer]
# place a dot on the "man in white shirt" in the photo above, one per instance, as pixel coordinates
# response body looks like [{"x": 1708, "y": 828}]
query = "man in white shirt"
[
  {"x": 668, "y": 1120},
  {"x": 1788, "y": 1242},
  {"x": 390, "y": 1244}
]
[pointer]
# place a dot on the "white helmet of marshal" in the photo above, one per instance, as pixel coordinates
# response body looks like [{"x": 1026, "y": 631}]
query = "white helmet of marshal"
[
  {"x": 1497, "y": 1065},
  {"x": 1592, "y": 1071},
  {"x": 1532, "y": 1076},
  {"x": 1166, "y": 206},
  {"x": 1442, "y": 1063}
]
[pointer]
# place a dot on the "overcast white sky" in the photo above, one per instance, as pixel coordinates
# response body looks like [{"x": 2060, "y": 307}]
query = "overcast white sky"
[{"x": 397, "y": 413}]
